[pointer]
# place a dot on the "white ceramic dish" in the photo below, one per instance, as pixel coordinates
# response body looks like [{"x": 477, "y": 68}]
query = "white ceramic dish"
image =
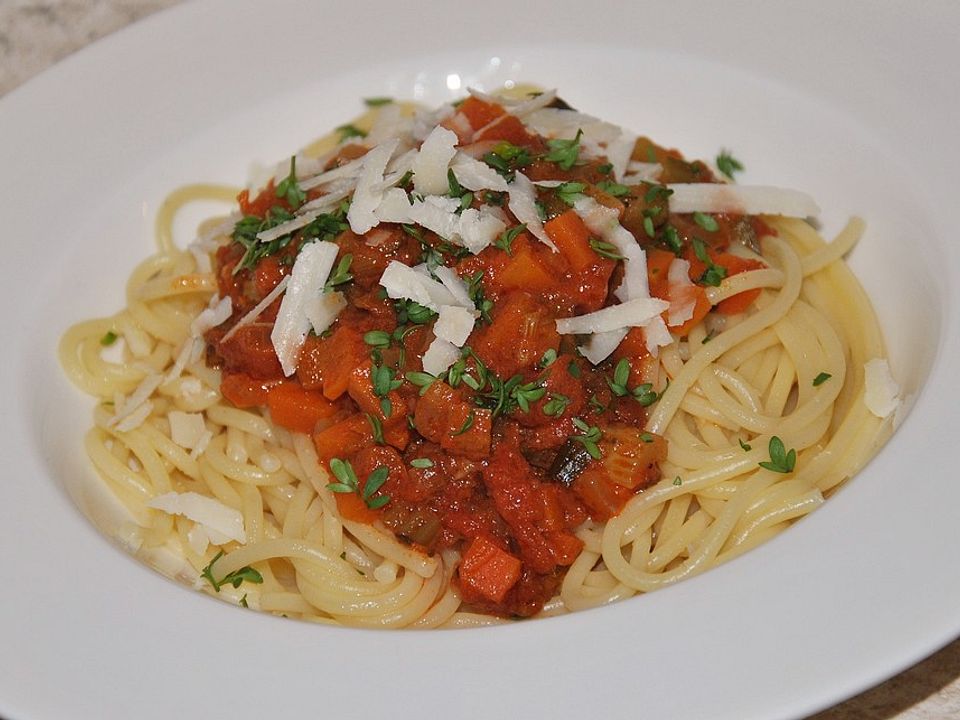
[{"x": 853, "y": 103}]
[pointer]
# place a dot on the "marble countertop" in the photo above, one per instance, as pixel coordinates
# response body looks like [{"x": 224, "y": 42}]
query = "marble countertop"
[{"x": 35, "y": 34}]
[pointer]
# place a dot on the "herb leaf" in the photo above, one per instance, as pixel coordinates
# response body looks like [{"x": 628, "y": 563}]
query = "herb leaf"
[
  {"x": 589, "y": 439},
  {"x": 570, "y": 192},
  {"x": 727, "y": 164},
  {"x": 235, "y": 578},
  {"x": 781, "y": 461},
  {"x": 564, "y": 152},
  {"x": 821, "y": 379}
]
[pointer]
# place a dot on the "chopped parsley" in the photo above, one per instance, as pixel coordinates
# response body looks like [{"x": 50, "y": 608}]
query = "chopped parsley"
[
  {"x": 234, "y": 578},
  {"x": 384, "y": 382},
  {"x": 564, "y": 152},
  {"x": 467, "y": 424},
  {"x": 341, "y": 273},
  {"x": 377, "y": 101},
  {"x": 714, "y": 274},
  {"x": 780, "y": 461},
  {"x": 570, "y": 192},
  {"x": 728, "y": 164},
  {"x": 589, "y": 439},
  {"x": 505, "y": 241},
  {"x": 613, "y": 188},
  {"x": 707, "y": 222},
  {"x": 556, "y": 405},
  {"x": 604, "y": 249},
  {"x": 347, "y": 482},
  {"x": 821, "y": 379},
  {"x": 289, "y": 189},
  {"x": 109, "y": 338},
  {"x": 376, "y": 428},
  {"x": 350, "y": 131},
  {"x": 421, "y": 463}
]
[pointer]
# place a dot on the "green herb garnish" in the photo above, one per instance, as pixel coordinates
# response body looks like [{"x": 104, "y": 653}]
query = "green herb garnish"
[
  {"x": 347, "y": 482},
  {"x": 564, "y": 152},
  {"x": 727, "y": 164},
  {"x": 235, "y": 578},
  {"x": 589, "y": 439},
  {"x": 781, "y": 461}
]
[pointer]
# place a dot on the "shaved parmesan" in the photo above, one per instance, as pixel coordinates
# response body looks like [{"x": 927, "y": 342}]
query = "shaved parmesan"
[
  {"x": 135, "y": 418},
  {"x": 618, "y": 152},
  {"x": 390, "y": 123},
  {"x": 475, "y": 175},
  {"x": 657, "y": 335},
  {"x": 478, "y": 228},
  {"x": 454, "y": 324},
  {"x": 452, "y": 282},
  {"x": 881, "y": 391},
  {"x": 347, "y": 170},
  {"x": 438, "y": 214},
  {"x": 402, "y": 281},
  {"x": 431, "y": 164},
  {"x": 601, "y": 345},
  {"x": 216, "y": 313},
  {"x": 127, "y": 407},
  {"x": 633, "y": 313},
  {"x": 394, "y": 207},
  {"x": 258, "y": 308},
  {"x": 368, "y": 194},
  {"x": 186, "y": 429},
  {"x": 605, "y": 223},
  {"x": 523, "y": 204},
  {"x": 221, "y": 523},
  {"x": 322, "y": 311},
  {"x": 741, "y": 200},
  {"x": 310, "y": 273},
  {"x": 440, "y": 356},
  {"x": 683, "y": 297}
]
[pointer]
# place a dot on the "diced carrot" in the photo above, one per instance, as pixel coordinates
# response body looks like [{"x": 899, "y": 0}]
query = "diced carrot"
[
  {"x": 244, "y": 391},
  {"x": 474, "y": 442},
  {"x": 603, "y": 497},
  {"x": 525, "y": 271},
  {"x": 658, "y": 267},
  {"x": 487, "y": 570},
  {"x": 566, "y": 547},
  {"x": 736, "y": 304},
  {"x": 297, "y": 409},
  {"x": 352, "y": 507},
  {"x": 572, "y": 238},
  {"x": 479, "y": 112},
  {"x": 508, "y": 129},
  {"x": 343, "y": 438},
  {"x": 700, "y": 309},
  {"x": 523, "y": 329}
]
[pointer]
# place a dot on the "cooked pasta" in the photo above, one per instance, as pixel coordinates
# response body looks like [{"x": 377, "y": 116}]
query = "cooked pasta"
[{"x": 685, "y": 418}]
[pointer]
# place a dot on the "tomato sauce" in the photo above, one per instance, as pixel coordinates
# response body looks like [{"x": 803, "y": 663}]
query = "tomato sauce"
[{"x": 504, "y": 456}]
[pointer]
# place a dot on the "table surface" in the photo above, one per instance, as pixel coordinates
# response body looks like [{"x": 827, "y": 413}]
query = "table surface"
[{"x": 35, "y": 34}]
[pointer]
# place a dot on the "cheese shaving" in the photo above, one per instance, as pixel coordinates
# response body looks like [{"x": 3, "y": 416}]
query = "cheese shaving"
[
  {"x": 523, "y": 204},
  {"x": 741, "y": 200},
  {"x": 221, "y": 523},
  {"x": 310, "y": 273},
  {"x": 440, "y": 356},
  {"x": 431, "y": 164},
  {"x": 881, "y": 391},
  {"x": 633, "y": 313},
  {"x": 368, "y": 194}
]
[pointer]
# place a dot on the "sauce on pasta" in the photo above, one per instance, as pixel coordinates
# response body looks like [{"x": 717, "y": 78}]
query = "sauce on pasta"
[{"x": 484, "y": 362}]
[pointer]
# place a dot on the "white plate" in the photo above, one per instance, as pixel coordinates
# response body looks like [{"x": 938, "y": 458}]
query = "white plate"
[{"x": 853, "y": 103}]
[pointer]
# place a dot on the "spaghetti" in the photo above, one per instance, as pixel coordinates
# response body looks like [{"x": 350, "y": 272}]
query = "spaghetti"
[{"x": 741, "y": 355}]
